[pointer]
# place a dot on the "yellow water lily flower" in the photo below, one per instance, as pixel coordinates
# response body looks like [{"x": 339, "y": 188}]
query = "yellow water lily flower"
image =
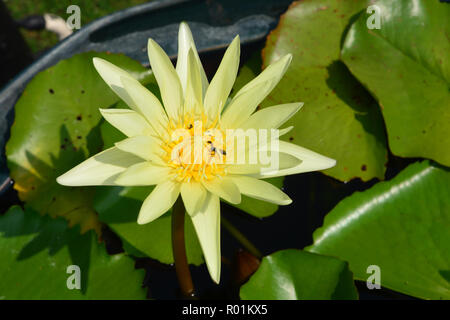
[{"x": 186, "y": 144}]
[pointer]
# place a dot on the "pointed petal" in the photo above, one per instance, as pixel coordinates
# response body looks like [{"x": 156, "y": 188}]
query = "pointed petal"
[
  {"x": 270, "y": 77},
  {"x": 127, "y": 121},
  {"x": 101, "y": 169},
  {"x": 310, "y": 161},
  {"x": 186, "y": 43},
  {"x": 282, "y": 132},
  {"x": 261, "y": 190},
  {"x": 263, "y": 138},
  {"x": 193, "y": 96},
  {"x": 167, "y": 78},
  {"x": 285, "y": 161},
  {"x": 145, "y": 147},
  {"x": 207, "y": 226},
  {"x": 249, "y": 151},
  {"x": 239, "y": 109},
  {"x": 273, "y": 73},
  {"x": 143, "y": 174},
  {"x": 160, "y": 200},
  {"x": 111, "y": 74},
  {"x": 146, "y": 104},
  {"x": 220, "y": 86},
  {"x": 225, "y": 188},
  {"x": 272, "y": 117},
  {"x": 194, "y": 195}
]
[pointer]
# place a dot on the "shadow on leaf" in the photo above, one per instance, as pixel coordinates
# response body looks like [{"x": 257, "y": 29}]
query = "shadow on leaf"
[
  {"x": 38, "y": 187},
  {"x": 50, "y": 234}
]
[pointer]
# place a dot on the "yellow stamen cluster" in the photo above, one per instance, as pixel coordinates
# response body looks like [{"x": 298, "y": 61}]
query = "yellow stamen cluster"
[{"x": 195, "y": 149}]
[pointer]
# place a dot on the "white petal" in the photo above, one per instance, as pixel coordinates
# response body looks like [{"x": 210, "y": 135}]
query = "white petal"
[
  {"x": 239, "y": 109},
  {"x": 225, "y": 188},
  {"x": 282, "y": 132},
  {"x": 146, "y": 147},
  {"x": 146, "y": 104},
  {"x": 256, "y": 90},
  {"x": 167, "y": 78},
  {"x": 160, "y": 200},
  {"x": 143, "y": 174},
  {"x": 249, "y": 151},
  {"x": 273, "y": 74},
  {"x": 111, "y": 74},
  {"x": 266, "y": 136},
  {"x": 207, "y": 226},
  {"x": 193, "y": 96},
  {"x": 127, "y": 121},
  {"x": 101, "y": 169},
  {"x": 185, "y": 43},
  {"x": 261, "y": 190},
  {"x": 272, "y": 117},
  {"x": 285, "y": 161},
  {"x": 310, "y": 161},
  {"x": 220, "y": 86},
  {"x": 194, "y": 195}
]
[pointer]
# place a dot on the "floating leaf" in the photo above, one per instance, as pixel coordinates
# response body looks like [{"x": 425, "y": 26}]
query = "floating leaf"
[
  {"x": 36, "y": 251},
  {"x": 56, "y": 128},
  {"x": 339, "y": 118},
  {"x": 406, "y": 65},
  {"x": 299, "y": 275},
  {"x": 402, "y": 226},
  {"x": 119, "y": 207}
]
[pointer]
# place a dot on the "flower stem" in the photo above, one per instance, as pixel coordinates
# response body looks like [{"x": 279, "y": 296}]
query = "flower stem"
[
  {"x": 179, "y": 250},
  {"x": 240, "y": 237}
]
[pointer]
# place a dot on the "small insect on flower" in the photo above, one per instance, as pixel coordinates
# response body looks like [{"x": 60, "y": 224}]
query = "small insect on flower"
[{"x": 197, "y": 142}]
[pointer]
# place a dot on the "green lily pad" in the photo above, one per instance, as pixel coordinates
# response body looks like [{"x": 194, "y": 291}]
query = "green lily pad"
[
  {"x": 299, "y": 275},
  {"x": 36, "y": 252},
  {"x": 339, "y": 118},
  {"x": 119, "y": 207},
  {"x": 402, "y": 226},
  {"x": 406, "y": 65},
  {"x": 56, "y": 128}
]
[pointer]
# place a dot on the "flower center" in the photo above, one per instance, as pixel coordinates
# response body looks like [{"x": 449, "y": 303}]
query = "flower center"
[{"x": 196, "y": 150}]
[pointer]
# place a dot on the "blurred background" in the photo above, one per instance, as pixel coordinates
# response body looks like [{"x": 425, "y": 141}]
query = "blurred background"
[
  {"x": 40, "y": 40},
  {"x": 24, "y": 35}
]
